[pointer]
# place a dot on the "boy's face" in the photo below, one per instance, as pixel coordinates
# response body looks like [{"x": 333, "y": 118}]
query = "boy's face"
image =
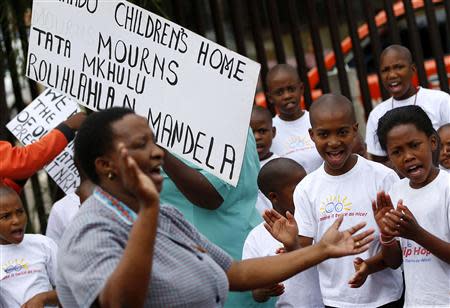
[
  {"x": 444, "y": 158},
  {"x": 333, "y": 133},
  {"x": 263, "y": 132},
  {"x": 396, "y": 74},
  {"x": 13, "y": 219},
  {"x": 284, "y": 200},
  {"x": 410, "y": 151},
  {"x": 285, "y": 92}
]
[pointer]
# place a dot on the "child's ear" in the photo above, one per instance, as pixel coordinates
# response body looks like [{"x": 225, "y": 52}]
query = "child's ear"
[
  {"x": 413, "y": 68},
  {"x": 311, "y": 134},
  {"x": 434, "y": 142},
  {"x": 274, "y": 131},
  {"x": 355, "y": 127},
  {"x": 273, "y": 197}
]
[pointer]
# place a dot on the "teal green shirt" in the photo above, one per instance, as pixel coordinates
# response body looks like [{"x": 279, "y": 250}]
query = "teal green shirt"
[{"x": 229, "y": 225}]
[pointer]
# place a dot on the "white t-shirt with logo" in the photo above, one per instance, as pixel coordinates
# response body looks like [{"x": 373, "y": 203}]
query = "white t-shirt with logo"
[
  {"x": 427, "y": 278},
  {"x": 292, "y": 140},
  {"x": 435, "y": 103},
  {"x": 263, "y": 203},
  {"x": 61, "y": 215},
  {"x": 301, "y": 290},
  {"x": 27, "y": 269},
  {"x": 319, "y": 199}
]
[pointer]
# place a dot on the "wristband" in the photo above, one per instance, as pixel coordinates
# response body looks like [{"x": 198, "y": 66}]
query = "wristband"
[{"x": 387, "y": 243}]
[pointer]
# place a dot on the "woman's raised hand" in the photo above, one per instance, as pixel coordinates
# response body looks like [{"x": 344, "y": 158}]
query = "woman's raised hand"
[
  {"x": 337, "y": 244},
  {"x": 136, "y": 181}
]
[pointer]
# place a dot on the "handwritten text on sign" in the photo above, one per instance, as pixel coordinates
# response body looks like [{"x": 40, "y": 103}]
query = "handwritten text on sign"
[
  {"x": 196, "y": 95},
  {"x": 44, "y": 113}
]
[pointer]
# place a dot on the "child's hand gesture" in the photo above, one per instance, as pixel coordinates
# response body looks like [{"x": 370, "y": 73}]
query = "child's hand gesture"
[
  {"x": 402, "y": 222},
  {"x": 283, "y": 229},
  {"x": 380, "y": 208},
  {"x": 361, "y": 273},
  {"x": 264, "y": 294}
]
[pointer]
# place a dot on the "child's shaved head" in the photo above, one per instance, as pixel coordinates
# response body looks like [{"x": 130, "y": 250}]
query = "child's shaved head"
[
  {"x": 331, "y": 102},
  {"x": 406, "y": 54},
  {"x": 277, "y": 174},
  {"x": 281, "y": 68},
  {"x": 261, "y": 112}
]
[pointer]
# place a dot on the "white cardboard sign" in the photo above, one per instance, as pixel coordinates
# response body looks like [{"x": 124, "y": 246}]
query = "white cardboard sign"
[
  {"x": 43, "y": 114},
  {"x": 196, "y": 95}
]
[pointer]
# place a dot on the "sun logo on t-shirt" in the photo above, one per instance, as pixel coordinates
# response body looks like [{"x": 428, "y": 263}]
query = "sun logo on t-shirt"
[
  {"x": 298, "y": 143},
  {"x": 335, "y": 204},
  {"x": 14, "y": 266}
]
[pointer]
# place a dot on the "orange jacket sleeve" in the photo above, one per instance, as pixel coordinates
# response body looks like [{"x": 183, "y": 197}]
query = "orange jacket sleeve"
[{"x": 19, "y": 163}]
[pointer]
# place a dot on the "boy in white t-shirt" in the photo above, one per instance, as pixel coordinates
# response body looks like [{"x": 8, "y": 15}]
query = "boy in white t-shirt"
[
  {"x": 444, "y": 155},
  {"x": 345, "y": 185},
  {"x": 397, "y": 70},
  {"x": 28, "y": 261},
  {"x": 277, "y": 180},
  {"x": 292, "y": 140},
  {"x": 261, "y": 125}
]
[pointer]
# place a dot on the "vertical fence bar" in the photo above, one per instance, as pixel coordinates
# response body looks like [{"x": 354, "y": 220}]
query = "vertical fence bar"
[
  {"x": 198, "y": 18},
  {"x": 238, "y": 28},
  {"x": 447, "y": 22},
  {"x": 4, "y": 110},
  {"x": 255, "y": 25},
  {"x": 416, "y": 48},
  {"x": 394, "y": 32},
  {"x": 336, "y": 42},
  {"x": 436, "y": 47},
  {"x": 313, "y": 22},
  {"x": 294, "y": 25},
  {"x": 19, "y": 10},
  {"x": 375, "y": 43},
  {"x": 217, "y": 18},
  {"x": 177, "y": 12},
  {"x": 275, "y": 28},
  {"x": 359, "y": 58}
]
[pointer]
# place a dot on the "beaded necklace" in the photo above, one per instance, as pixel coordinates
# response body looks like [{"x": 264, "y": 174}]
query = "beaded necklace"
[
  {"x": 123, "y": 211},
  {"x": 415, "y": 99}
]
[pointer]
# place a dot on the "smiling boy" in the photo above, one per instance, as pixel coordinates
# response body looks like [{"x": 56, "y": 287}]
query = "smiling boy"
[
  {"x": 345, "y": 185},
  {"x": 285, "y": 91},
  {"x": 397, "y": 70}
]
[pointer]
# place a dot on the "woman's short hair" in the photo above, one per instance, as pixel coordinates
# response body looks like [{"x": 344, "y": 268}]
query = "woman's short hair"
[{"x": 95, "y": 138}]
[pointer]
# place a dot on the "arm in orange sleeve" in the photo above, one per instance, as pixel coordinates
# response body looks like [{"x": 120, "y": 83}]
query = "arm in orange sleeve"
[{"x": 19, "y": 163}]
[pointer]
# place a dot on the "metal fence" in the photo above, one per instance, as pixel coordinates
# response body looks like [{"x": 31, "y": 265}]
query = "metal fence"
[{"x": 321, "y": 38}]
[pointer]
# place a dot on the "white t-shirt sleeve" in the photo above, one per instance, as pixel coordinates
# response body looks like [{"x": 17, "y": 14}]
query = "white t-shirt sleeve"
[
  {"x": 304, "y": 215},
  {"x": 54, "y": 225},
  {"x": 250, "y": 249},
  {"x": 51, "y": 265},
  {"x": 445, "y": 111},
  {"x": 373, "y": 145}
]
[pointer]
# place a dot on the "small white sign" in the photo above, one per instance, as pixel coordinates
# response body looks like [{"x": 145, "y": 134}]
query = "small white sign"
[
  {"x": 196, "y": 94},
  {"x": 43, "y": 114}
]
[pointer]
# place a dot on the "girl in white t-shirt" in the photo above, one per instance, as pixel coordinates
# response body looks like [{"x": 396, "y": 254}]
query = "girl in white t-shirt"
[
  {"x": 421, "y": 219},
  {"x": 27, "y": 261}
]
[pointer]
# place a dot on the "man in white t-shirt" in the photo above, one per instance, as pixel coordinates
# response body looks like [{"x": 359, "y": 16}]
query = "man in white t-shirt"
[
  {"x": 345, "y": 185},
  {"x": 61, "y": 215},
  {"x": 292, "y": 140},
  {"x": 27, "y": 261},
  {"x": 397, "y": 70},
  {"x": 65, "y": 209},
  {"x": 277, "y": 180}
]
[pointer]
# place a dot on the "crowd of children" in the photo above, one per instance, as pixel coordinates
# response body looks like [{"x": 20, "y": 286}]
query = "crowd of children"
[{"x": 314, "y": 169}]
